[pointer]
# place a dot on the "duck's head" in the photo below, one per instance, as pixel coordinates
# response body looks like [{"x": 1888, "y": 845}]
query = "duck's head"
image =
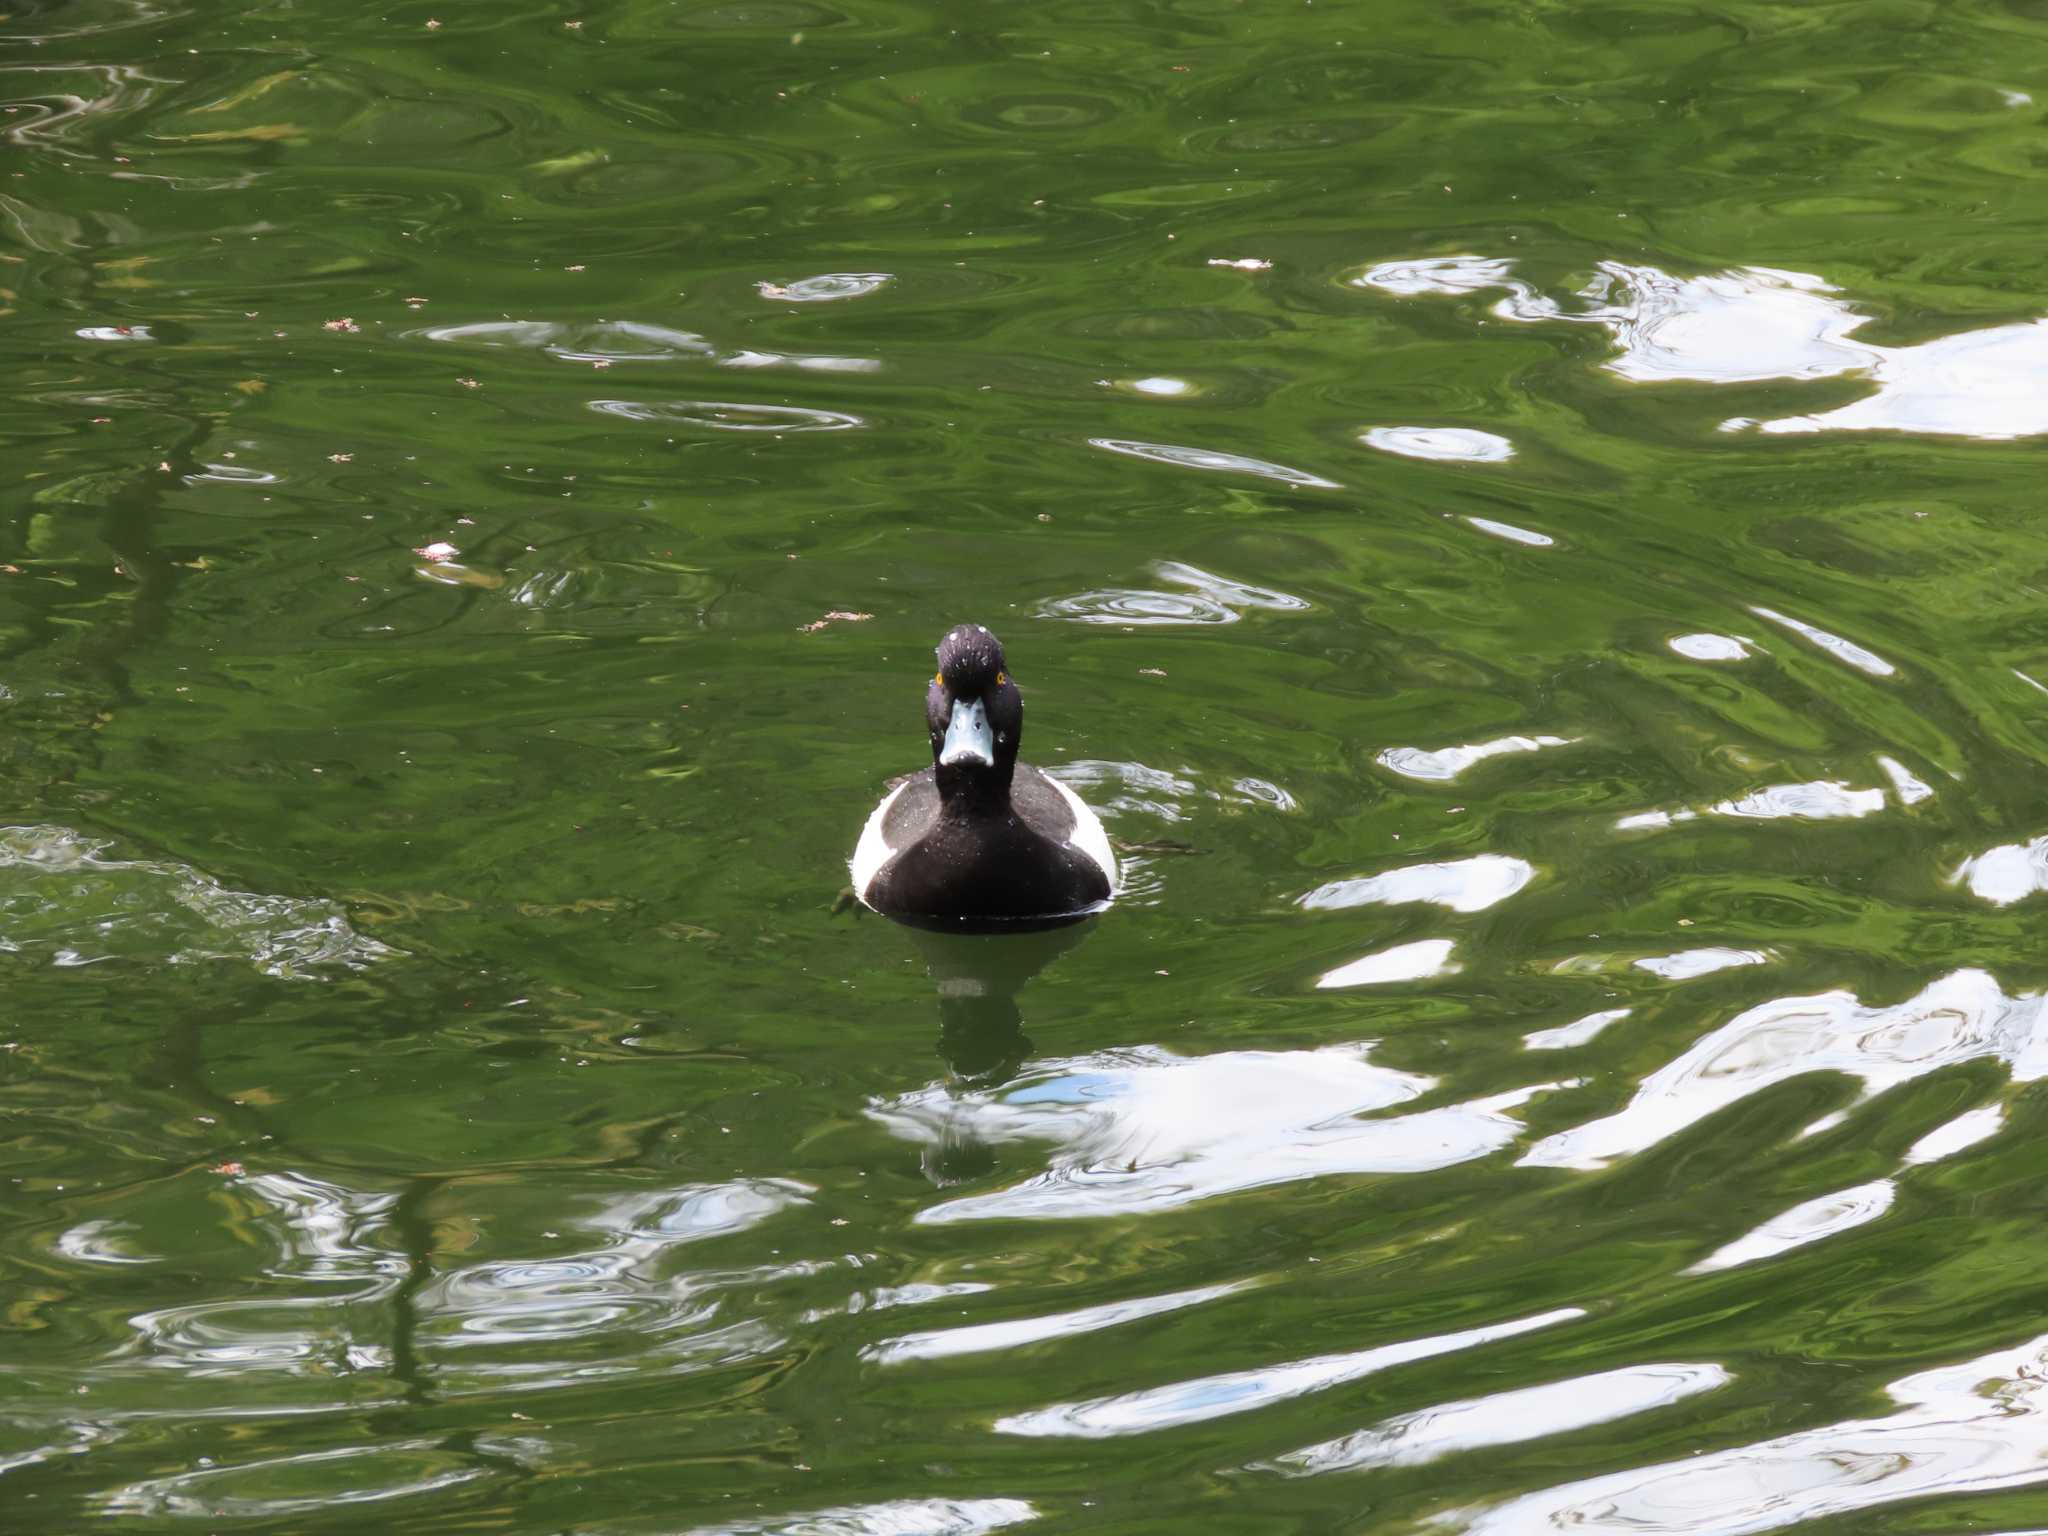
[{"x": 974, "y": 713}]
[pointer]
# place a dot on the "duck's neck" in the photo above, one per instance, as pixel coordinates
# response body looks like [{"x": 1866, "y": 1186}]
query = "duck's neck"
[{"x": 975, "y": 792}]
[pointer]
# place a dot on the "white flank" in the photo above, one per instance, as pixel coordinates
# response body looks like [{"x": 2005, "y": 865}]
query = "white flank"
[
  {"x": 871, "y": 852},
  {"x": 1088, "y": 836}
]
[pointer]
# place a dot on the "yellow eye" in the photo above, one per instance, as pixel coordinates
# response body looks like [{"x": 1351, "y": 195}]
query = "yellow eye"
[
  {"x": 1002, "y": 678},
  {"x": 939, "y": 678}
]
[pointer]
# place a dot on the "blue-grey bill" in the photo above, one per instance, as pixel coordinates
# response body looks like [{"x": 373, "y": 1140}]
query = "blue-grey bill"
[{"x": 967, "y": 736}]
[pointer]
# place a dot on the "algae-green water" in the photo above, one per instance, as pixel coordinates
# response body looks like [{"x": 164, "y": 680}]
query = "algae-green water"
[{"x": 1526, "y": 520}]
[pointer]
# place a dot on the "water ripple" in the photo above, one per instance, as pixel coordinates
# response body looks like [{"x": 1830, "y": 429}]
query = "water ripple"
[
  {"x": 81, "y": 907},
  {"x": 352, "y": 1475},
  {"x": 731, "y": 416},
  {"x": 611, "y": 1309},
  {"x": 1208, "y": 599},
  {"x": 825, "y": 288}
]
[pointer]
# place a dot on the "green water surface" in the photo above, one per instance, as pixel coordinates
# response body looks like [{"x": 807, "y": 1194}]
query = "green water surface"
[{"x": 482, "y": 483}]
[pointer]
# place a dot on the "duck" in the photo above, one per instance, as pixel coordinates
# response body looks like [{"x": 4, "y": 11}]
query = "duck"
[{"x": 979, "y": 841}]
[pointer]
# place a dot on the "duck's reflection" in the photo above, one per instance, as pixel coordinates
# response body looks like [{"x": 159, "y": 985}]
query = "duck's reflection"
[
  {"x": 978, "y": 977},
  {"x": 981, "y": 1028}
]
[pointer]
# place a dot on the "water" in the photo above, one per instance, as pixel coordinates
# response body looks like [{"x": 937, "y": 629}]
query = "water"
[{"x": 1523, "y": 519}]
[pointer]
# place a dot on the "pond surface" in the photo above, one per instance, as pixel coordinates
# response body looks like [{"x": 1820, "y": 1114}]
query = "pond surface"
[{"x": 1526, "y": 520}]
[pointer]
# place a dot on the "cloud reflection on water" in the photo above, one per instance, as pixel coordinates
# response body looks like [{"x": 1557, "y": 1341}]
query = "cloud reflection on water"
[
  {"x": 1964, "y": 1016},
  {"x": 1752, "y": 324},
  {"x": 1142, "y": 1129}
]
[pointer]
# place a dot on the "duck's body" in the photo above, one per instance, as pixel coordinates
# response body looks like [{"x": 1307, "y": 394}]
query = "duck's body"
[{"x": 979, "y": 839}]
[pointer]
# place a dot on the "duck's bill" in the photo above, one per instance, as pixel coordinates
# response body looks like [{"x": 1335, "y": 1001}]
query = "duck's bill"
[{"x": 968, "y": 740}]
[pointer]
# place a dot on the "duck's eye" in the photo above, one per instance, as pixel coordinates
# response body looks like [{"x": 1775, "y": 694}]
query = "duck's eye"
[
  {"x": 939, "y": 678},
  {"x": 1002, "y": 678}
]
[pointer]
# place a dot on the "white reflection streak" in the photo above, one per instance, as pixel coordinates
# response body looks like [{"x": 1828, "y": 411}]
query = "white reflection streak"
[
  {"x": 980, "y": 1338},
  {"x": 628, "y": 341},
  {"x": 1507, "y": 1418},
  {"x": 2005, "y": 874},
  {"x": 1215, "y": 1397},
  {"x": 1808, "y": 1222},
  {"x": 1911, "y": 789},
  {"x": 1446, "y": 763},
  {"x": 1688, "y": 963},
  {"x": 1511, "y": 533},
  {"x": 1736, "y": 327},
  {"x": 1706, "y": 646},
  {"x": 1404, "y": 962},
  {"x": 731, "y": 415},
  {"x": 1984, "y": 384},
  {"x": 1463, "y": 885},
  {"x": 1962, "y": 1017},
  {"x": 94, "y": 1242},
  {"x": 1215, "y": 459},
  {"x": 1142, "y": 1129},
  {"x": 1845, "y": 1209},
  {"x": 1976, "y": 1427},
  {"x": 1957, "y": 1135},
  {"x": 1444, "y": 275},
  {"x": 1845, "y": 650},
  {"x": 1449, "y": 444},
  {"x": 1821, "y": 800},
  {"x": 1578, "y": 1032},
  {"x": 898, "y": 1517}
]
